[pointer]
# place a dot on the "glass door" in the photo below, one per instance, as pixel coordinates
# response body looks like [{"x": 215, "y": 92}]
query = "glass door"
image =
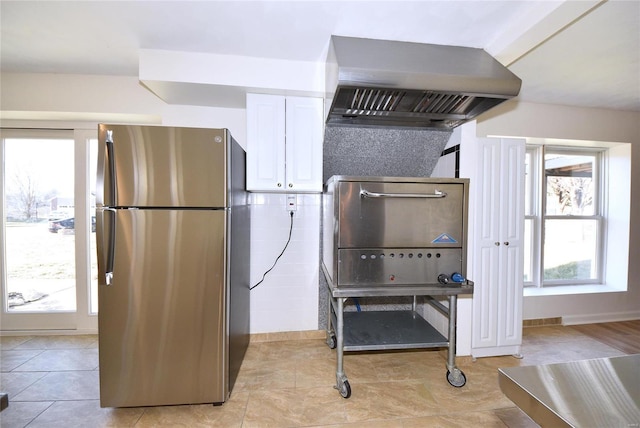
[
  {"x": 46, "y": 230},
  {"x": 93, "y": 254}
]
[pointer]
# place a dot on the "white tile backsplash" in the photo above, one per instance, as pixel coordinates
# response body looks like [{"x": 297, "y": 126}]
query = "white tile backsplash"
[{"x": 287, "y": 300}]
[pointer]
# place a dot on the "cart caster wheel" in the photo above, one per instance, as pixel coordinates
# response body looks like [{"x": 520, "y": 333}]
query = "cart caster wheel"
[
  {"x": 456, "y": 378},
  {"x": 345, "y": 389},
  {"x": 331, "y": 341}
]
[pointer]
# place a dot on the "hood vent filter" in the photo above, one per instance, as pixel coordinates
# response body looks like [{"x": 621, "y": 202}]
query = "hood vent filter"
[
  {"x": 402, "y": 84},
  {"x": 397, "y": 108}
]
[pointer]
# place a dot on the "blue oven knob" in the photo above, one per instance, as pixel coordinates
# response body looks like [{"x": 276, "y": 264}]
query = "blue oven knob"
[{"x": 456, "y": 277}]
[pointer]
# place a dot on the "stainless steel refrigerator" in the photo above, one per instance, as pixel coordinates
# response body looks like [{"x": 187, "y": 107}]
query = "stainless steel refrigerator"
[{"x": 173, "y": 264}]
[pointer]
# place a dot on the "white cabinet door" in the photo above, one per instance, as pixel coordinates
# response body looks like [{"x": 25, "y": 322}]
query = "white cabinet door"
[
  {"x": 512, "y": 155},
  {"x": 486, "y": 271},
  {"x": 304, "y": 144},
  {"x": 265, "y": 142},
  {"x": 284, "y": 143},
  {"x": 498, "y": 265}
]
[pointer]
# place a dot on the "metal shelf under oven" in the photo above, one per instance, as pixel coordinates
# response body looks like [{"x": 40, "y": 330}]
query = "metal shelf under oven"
[
  {"x": 391, "y": 329},
  {"x": 386, "y": 330}
]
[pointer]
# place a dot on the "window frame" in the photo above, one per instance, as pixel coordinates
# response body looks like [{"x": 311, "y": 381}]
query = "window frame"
[
  {"x": 82, "y": 318},
  {"x": 532, "y": 214},
  {"x": 537, "y": 214}
]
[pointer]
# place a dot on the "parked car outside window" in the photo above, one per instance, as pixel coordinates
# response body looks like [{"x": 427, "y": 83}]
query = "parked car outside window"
[{"x": 67, "y": 223}]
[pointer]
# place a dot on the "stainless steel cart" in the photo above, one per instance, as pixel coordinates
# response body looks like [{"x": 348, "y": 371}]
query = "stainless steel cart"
[
  {"x": 387, "y": 237},
  {"x": 387, "y": 330}
]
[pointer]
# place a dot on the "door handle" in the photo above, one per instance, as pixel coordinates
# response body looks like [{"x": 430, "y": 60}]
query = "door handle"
[
  {"x": 111, "y": 246},
  {"x": 111, "y": 163},
  {"x": 436, "y": 194}
]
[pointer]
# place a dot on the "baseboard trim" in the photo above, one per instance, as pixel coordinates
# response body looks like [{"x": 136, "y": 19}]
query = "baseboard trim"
[
  {"x": 254, "y": 337},
  {"x": 600, "y": 318},
  {"x": 280, "y": 336},
  {"x": 495, "y": 351},
  {"x": 48, "y": 332}
]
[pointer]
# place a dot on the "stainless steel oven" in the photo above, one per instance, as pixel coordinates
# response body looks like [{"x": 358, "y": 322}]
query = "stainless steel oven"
[
  {"x": 394, "y": 236},
  {"x": 394, "y": 231}
]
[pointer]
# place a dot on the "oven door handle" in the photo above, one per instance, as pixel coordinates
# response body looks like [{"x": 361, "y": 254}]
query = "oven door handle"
[{"x": 437, "y": 194}]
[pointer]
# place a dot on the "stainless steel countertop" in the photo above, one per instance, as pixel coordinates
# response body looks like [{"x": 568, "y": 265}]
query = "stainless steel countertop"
[{"x": 603, "y": 392}]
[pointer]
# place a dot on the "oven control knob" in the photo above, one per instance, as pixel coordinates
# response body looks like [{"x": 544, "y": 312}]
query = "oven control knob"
[
  {"x": 456, "y": 277},
  {"x": 443, "y": 279}
]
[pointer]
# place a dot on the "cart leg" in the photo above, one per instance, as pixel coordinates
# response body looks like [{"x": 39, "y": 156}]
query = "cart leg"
[
  {"x": 455, "y": 376},
  {"x": 331, "y": 335},
  {"x": 453, "y": 315},
  {"x": 342, "y": 384}
]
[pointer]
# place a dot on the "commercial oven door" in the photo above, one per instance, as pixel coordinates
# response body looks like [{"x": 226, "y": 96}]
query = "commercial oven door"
[{"x": 401, "y": 214}]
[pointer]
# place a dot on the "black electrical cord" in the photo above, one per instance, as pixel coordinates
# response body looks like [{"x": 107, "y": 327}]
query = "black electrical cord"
[{"x": 277, "y": 258}]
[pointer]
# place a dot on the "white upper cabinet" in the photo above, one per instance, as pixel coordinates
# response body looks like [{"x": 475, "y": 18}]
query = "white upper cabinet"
[
  {"x": 284, "y": 143},
  {"x": 265, "y": 142}
]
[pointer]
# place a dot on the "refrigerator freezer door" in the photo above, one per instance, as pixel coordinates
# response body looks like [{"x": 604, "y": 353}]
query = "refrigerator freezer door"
[
  {"x": 158, "y": 166},
  {"x": 162, "y": 319}
]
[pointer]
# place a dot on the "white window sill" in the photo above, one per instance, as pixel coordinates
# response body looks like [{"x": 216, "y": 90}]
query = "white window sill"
[{"x": 562, "y": 290}]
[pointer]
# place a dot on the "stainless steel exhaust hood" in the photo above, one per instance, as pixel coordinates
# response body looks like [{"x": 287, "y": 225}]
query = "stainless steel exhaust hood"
[{"x": 403, "y": 84}]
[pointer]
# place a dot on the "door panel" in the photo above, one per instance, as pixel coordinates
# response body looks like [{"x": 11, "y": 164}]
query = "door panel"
[
  {"x": 370, "y": 222},
  {"x": 511, "y": 232},
  {"x": 163, "y": 166},
  {"x": 266, "y": 142},
  {"x": 167, "y": 296},
  {"x": 304, "y": 144},
  {"x": 511, "y": 314}
]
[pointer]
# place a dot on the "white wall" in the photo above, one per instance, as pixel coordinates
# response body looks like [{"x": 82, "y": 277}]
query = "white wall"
[
  {"x": 562, "y": 122},
  {"x": 288, "y": 298},
  {"x": 82, "y": 101}
]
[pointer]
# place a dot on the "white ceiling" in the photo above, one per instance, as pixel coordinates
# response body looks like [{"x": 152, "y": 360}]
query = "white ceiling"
[{"x": 582, "y": 53}]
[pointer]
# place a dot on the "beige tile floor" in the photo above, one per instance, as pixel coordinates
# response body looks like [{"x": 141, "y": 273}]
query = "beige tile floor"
[{"x": 52, "y": 381}]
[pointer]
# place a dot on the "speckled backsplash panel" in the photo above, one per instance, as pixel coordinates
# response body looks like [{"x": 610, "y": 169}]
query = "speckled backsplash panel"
[
  {"x": 377, "y": 152},
  {"x": 381, "y": 152}
]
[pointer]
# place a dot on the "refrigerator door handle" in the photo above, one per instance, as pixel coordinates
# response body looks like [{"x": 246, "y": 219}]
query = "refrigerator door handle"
[
  {"x": 112, "y": 168},
  {"x": 111, "y": 245}
]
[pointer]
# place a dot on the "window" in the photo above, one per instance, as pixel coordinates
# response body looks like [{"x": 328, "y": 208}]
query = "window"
[
  {"x": 93, "y": 170},
  {"x": 564, "y": 224},
  {"x": 39, "y": 245},
  {"x": 47, "y": 239}
]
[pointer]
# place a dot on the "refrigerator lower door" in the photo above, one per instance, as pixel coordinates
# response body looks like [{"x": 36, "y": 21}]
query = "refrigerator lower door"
[{"x": 162, "y": 329}]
